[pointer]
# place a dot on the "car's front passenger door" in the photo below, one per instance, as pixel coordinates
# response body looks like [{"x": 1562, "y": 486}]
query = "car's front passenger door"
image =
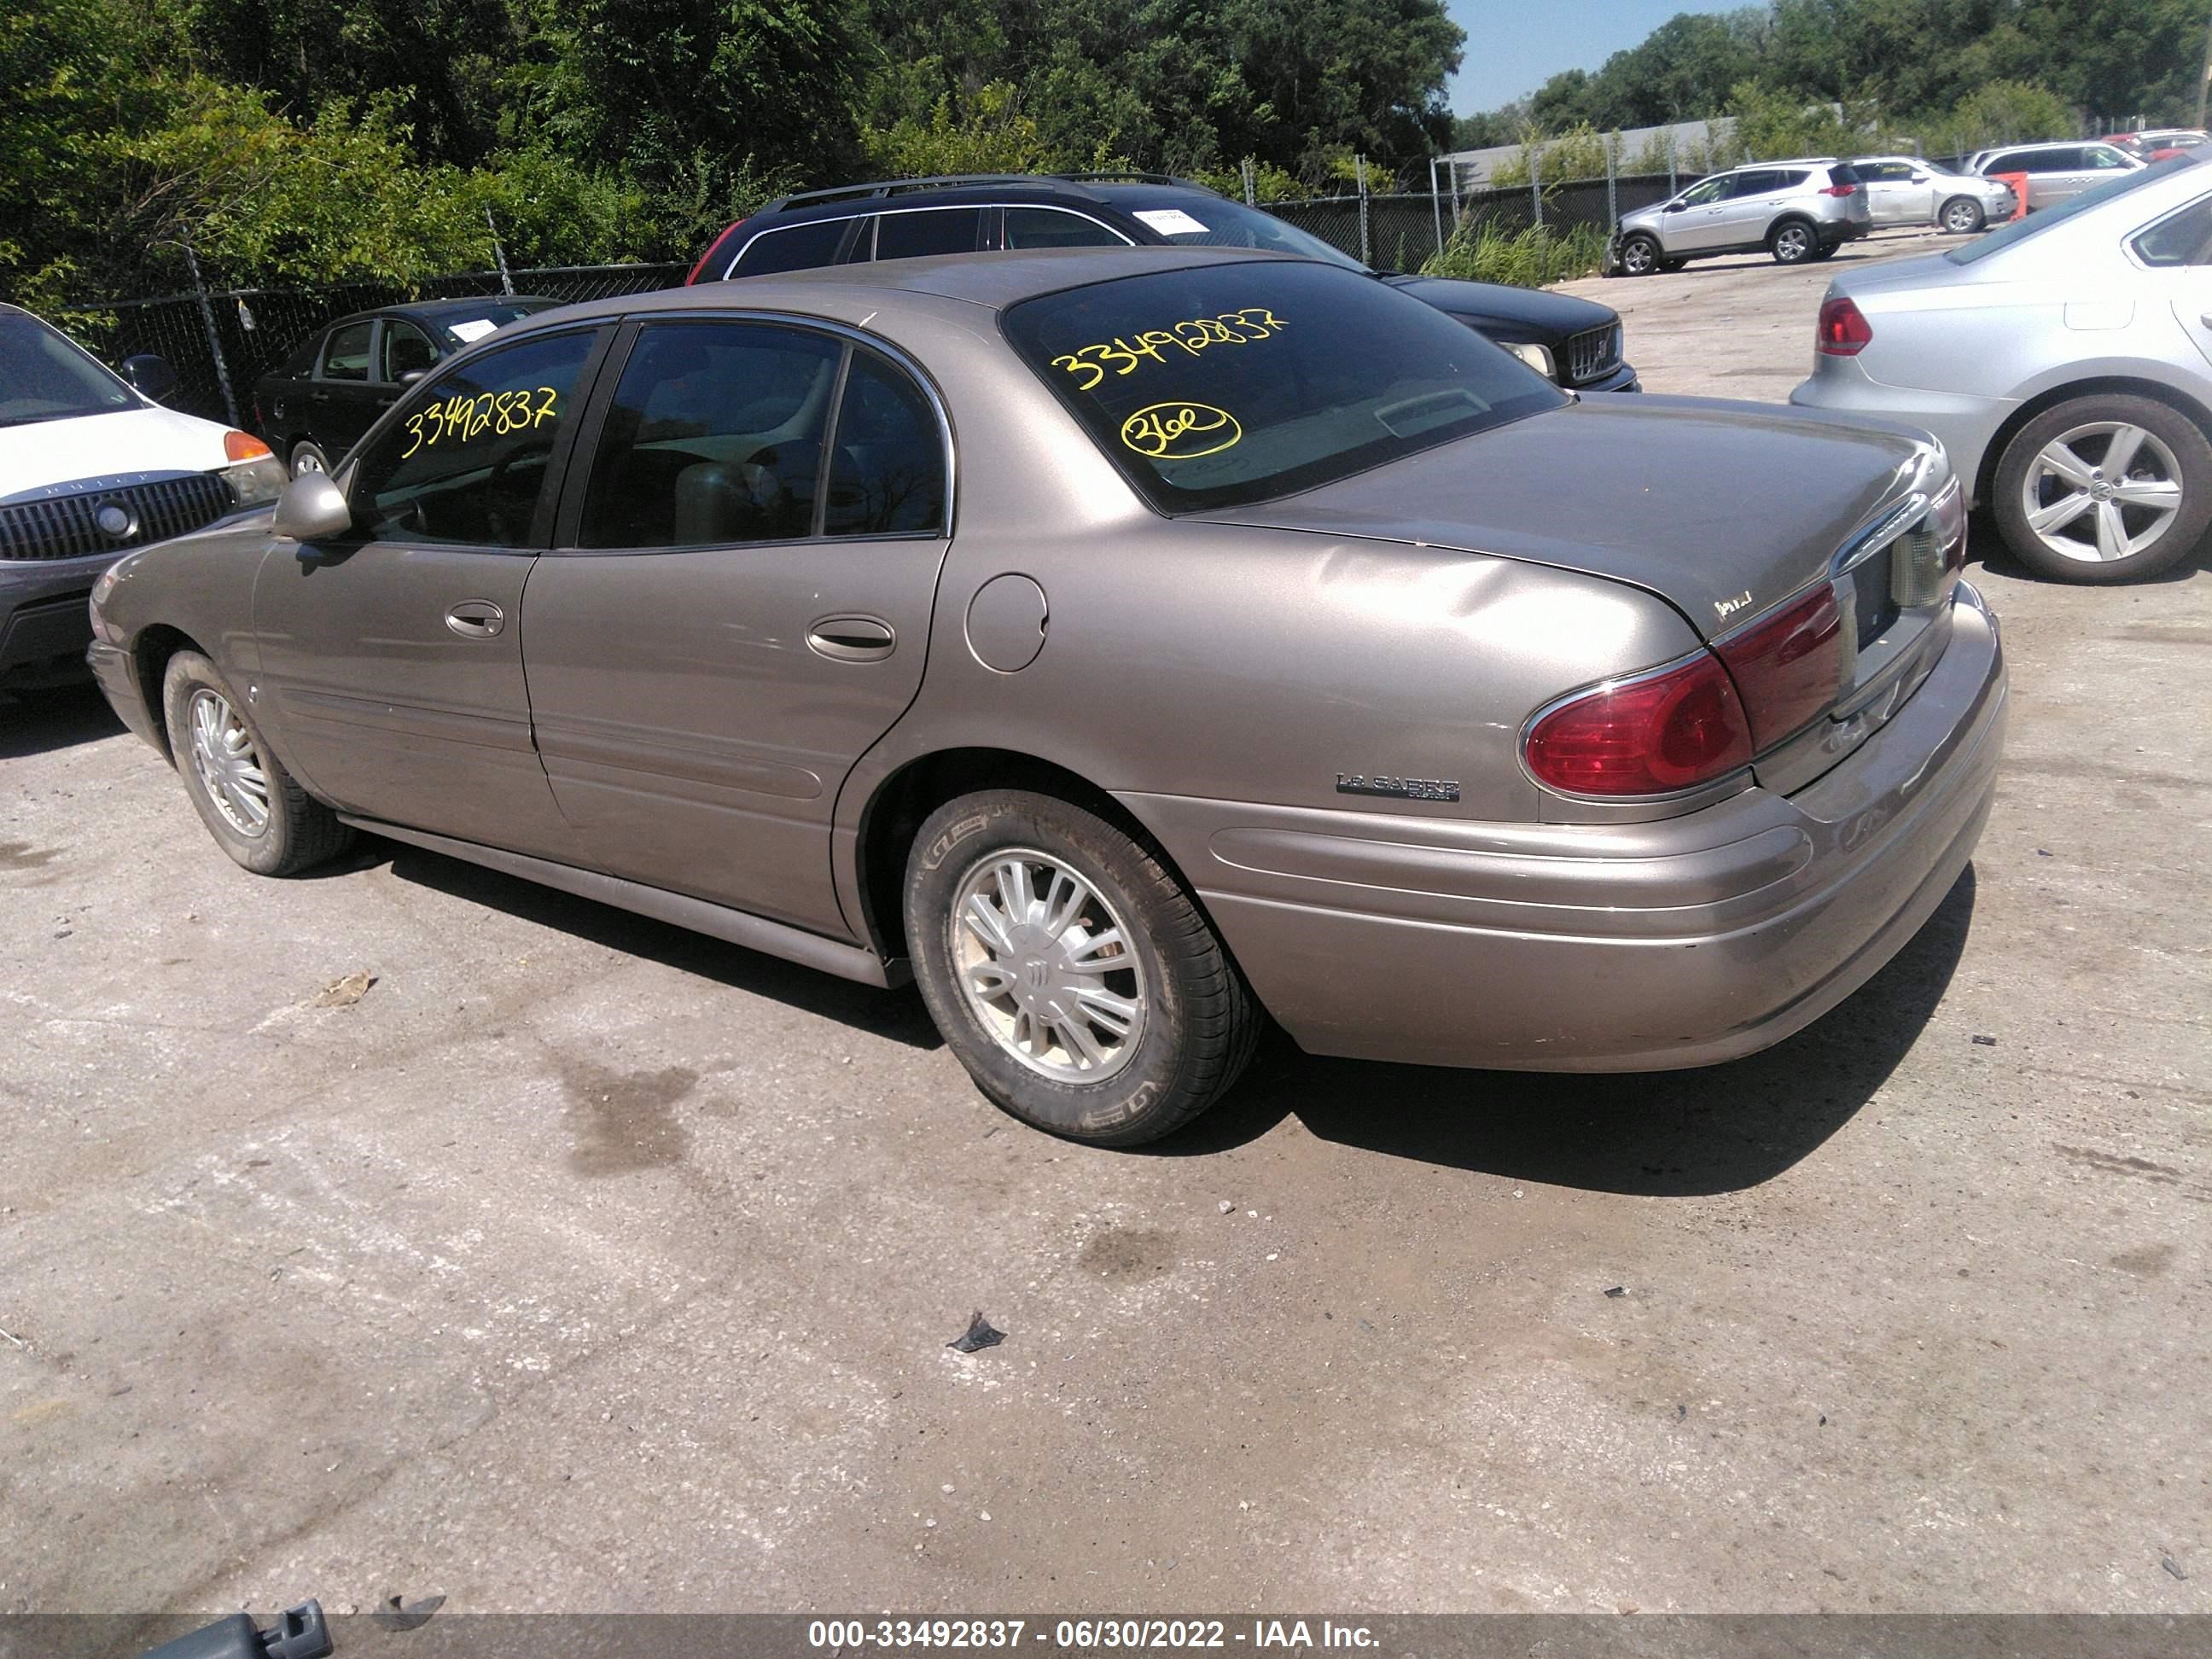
[
  {"x": 1698, "y": 223},
  {"x": 391, "y": 655},
  {"x": 742, "y": 609}
]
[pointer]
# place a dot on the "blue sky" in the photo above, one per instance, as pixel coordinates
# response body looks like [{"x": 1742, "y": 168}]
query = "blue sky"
[{"x": 1514, "y": 48}]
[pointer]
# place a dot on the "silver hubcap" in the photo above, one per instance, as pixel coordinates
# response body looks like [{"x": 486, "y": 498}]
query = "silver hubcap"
[
  {"x": 1636, "y": 257},
  {"x": 229, "y": 770},
  {"x": 1793, "y": 243},
  {"x": 2103, "y": 491},
  {"x": 1959, "y": 216},
  {"x": 1046, "y": 967}
]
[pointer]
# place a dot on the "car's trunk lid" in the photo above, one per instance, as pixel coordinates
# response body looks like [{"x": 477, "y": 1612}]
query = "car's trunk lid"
[
  {"x": 1719, "y": 515},
  {"x": 1723, "y": 517}
]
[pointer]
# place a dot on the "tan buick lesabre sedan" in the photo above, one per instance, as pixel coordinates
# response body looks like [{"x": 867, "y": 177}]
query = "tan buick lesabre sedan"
[{"x": 1123, "y": 645}]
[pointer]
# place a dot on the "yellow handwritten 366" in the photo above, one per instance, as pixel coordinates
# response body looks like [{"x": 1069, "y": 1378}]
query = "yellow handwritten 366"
[
  {"x": 1193, "y": 335},
  {"x": 1180, "y": 432},
  {"x": 499, "y": 412}
]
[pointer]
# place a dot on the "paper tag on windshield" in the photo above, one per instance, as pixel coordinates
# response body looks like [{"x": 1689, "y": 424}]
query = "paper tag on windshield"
[
  {"x": 475, "y": 329},
  {"x": 1171, "y": 221}
]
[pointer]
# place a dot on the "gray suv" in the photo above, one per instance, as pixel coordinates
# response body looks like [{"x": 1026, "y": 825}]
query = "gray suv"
[{"x": 1795, "y": 211}]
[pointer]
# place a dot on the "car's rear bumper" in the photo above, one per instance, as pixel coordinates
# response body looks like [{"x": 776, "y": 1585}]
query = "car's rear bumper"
[
  {"x": 46, "y": 619},
  {"x": 1619, "y": 947}
]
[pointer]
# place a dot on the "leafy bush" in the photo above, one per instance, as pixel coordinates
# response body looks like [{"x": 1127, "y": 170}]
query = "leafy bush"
[{"x": 1533, "y": 257}]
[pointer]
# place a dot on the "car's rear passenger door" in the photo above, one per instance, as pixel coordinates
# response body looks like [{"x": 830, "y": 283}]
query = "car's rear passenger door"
[{"x": 738, "y": 606}]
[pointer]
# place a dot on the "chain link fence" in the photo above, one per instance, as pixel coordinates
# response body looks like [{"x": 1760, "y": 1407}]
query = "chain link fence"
[
  {"x": 1398, "y": 233},
  {"x": 221, "y": 341}
]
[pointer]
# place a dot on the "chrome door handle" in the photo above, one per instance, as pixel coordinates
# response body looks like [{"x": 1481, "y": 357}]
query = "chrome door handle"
[
  {"x": 851, "y": 639},
  {"x": 475, "y": 619}
]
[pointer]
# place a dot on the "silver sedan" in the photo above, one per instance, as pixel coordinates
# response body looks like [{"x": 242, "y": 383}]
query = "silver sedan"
[{"x": 2065, "y": 361}]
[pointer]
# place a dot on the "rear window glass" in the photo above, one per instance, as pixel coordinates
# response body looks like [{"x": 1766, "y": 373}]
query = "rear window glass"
[
  {"x": 2018, "y": 230},
  {"x": 1216, "y": 386},
  {"x": 1846, "y": 174},
  {"x": 794, "y": 247}
]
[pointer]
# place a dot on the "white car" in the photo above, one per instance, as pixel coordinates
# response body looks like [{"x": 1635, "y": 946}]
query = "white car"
[
  {"x": 1905, "y": 190},
  {"x": 2054, "y": 172},
  {"x": 91, "y": 467}
]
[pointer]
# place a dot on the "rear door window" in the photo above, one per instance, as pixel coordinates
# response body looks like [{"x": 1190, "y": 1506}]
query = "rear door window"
[
  {"x": 2049, "y": 160},
  {"x": 792, "y": 247},
  {"x": 345, "y": 354},
  {"x": 921, "y": 232},
  {"x": 887, "y": 468},
  {"x": 714, "y": 437},
  {"x": 1756, "y": 184},
  {"x": 2179, "y": 238}
]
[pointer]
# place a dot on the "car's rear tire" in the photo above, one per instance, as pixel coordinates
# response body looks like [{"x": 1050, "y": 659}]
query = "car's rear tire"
[
  {"x": 308, "y": 457},
  {"x": 1961, "y": 216},
  {"x": 249, "y": 804},
  {"x": 1640, "y": 255},
  {"x": 1793, "y": 242},
  {"x": 2066, "y": 517},
  {"x": 1069, "y": 971}
]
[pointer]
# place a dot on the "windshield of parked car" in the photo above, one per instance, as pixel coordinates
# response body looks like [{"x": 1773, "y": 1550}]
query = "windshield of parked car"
[
  {"x": 45, "y": 378},
  {"x": 480, "y": 320},
  {"x": 2037, "y": 223},
  {"x": 1224, "y": 384},
  {"x": 1213, "y": 221}
]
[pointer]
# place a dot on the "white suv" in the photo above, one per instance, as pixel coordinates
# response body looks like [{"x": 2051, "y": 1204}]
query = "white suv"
[
  {"x": 90, "y": 467},
  {"x": 1795, "y": 211}
]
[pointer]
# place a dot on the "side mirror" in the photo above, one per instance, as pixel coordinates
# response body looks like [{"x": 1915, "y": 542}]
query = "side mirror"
[
  {"x": 412, "y": 375},
  {"x": 311, "y": 509},
  {"x": 151, "y": 376},
  {"x": 1919, "y": 178}
]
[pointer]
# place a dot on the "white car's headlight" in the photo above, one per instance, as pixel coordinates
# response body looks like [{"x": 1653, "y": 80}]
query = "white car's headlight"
[
  {"x": 1536, "y": 356},
  {"x": 254, "y": 474}
]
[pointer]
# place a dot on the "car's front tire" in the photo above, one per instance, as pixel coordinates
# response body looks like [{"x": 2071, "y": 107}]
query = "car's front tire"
[
  {"x": 1793, "y": 242},
  {"x": 308, "y": 457},
  {"x": 1640, "y": 255},
  {"x": 2104, "y": 488},
  {"x": 1961, "y": 216},
  {"x": 249, "y": 804},
  {"x": 1070, "y": 971}
]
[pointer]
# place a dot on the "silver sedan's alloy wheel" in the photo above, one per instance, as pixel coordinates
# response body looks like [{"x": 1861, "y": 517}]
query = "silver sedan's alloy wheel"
[
  {"x": 1637, "y": 256},
  {"x": 1961, "y": 217},
  {"x": 228, "y": 767},
  {"x": 1047, "y": 966},
  {"x": 1793, "y": 243},
  {"x": 2102, "y": 491}
]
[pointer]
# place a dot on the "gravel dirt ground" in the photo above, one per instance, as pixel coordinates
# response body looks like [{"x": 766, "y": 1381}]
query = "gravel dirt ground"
[{"x": 581, "y": 1263}]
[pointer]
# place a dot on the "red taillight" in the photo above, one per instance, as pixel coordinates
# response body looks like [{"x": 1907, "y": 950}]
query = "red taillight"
[
  {"x": 1843, "y": 330},
  {"x": 1840, "y": 190},
  {"x": 1647, "y": 736},
  {"x": 1789, "y": 667},
  {"x": 713, "y": 248}
]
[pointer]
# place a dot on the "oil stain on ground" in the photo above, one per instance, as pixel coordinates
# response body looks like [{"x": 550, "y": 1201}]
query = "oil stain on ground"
[
  {"x": 1128, "y": 1253},
  {"x": 625, "y": 1121}
]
